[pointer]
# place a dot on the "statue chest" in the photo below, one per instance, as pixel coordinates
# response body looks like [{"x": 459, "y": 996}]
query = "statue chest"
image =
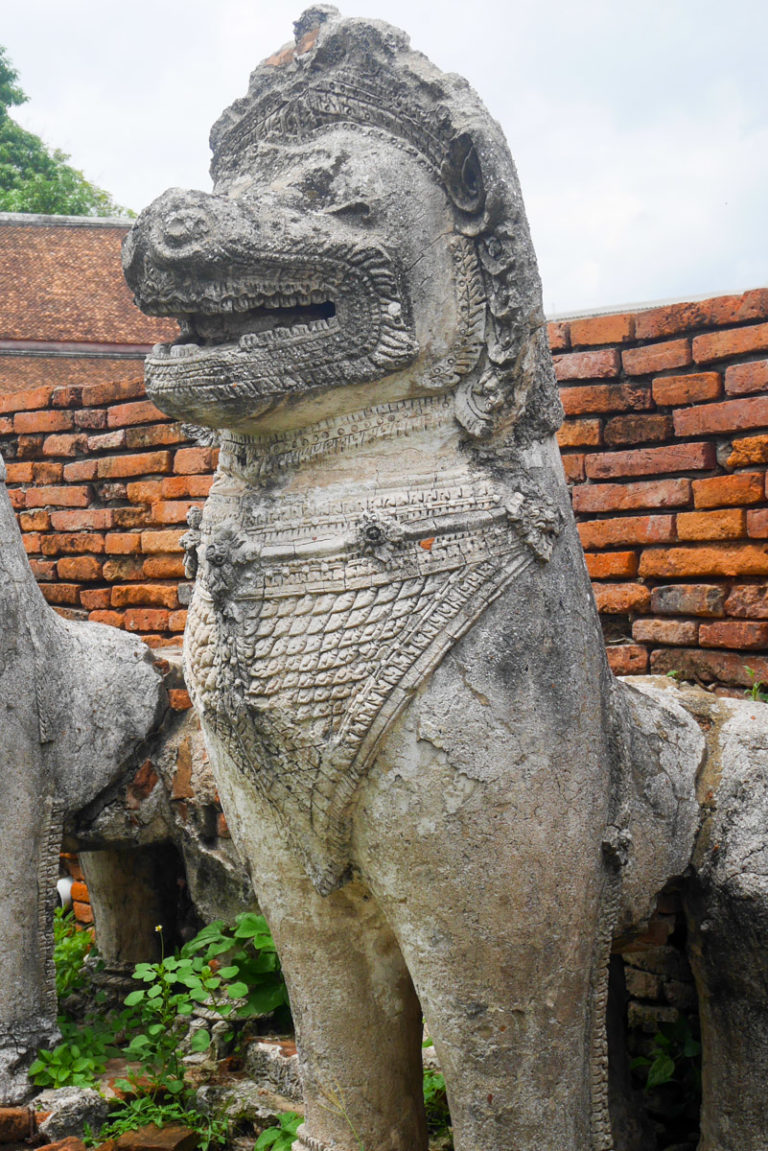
[{"x": 311, "y": 627}]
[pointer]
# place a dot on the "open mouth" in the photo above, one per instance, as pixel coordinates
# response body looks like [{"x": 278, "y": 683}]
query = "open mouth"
[{"x": 252, "y": 321}]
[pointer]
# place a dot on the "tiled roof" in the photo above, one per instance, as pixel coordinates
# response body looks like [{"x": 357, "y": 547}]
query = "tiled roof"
[
  {"x": 66, "y": 314},
  {"x": 63, "y": 281}
]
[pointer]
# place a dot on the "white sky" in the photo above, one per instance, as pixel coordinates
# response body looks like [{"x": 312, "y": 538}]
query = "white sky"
[{"x": 640, "y": 130}]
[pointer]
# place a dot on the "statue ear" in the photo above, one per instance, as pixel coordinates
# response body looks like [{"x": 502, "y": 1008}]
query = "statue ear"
[{"x": 462, "y": 175}]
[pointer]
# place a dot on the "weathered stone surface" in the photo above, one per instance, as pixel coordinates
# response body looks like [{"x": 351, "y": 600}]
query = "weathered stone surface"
[
  {"x": 70, "y": 1108},
  {"x": 438, "y": 788},
  {"x": 76, "y": 701}
]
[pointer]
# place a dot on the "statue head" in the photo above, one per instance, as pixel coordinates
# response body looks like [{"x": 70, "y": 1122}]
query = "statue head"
[{"x": 365, "y": 242}]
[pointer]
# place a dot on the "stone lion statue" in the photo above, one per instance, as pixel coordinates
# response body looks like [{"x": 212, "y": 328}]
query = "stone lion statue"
[{"x": 447, "y": 804}]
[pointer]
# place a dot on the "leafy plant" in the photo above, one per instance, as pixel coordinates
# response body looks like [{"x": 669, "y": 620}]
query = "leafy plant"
[
  {"x": 143, "y": 1110},
  {"x": 77, "y": 1061},
  {"x": 436, "y": 1102},
  {"x": 250, "y": 970},
  {"x": 281, "y": 1137},
  {"x": 759, "y": 689},
  {"x": 675, "y": 1056},
  {"x": 70, "y": 948}
]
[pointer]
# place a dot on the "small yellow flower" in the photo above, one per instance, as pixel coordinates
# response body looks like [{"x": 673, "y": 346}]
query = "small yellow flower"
[{"x": 159, "y": 927}]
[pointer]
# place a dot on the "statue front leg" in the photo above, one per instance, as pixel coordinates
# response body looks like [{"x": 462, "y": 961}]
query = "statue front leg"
[{"x": 358, "y": 1022}]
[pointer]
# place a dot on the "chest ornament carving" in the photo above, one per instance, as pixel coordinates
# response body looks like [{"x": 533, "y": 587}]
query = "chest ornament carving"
[{"x": 311, "y": 627}]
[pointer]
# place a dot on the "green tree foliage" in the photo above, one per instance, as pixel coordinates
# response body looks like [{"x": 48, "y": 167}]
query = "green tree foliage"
[{"x": 32, "y": 177}]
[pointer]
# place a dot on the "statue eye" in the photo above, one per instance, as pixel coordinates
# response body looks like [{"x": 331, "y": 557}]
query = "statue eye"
[{"x": 351, "y": 210}]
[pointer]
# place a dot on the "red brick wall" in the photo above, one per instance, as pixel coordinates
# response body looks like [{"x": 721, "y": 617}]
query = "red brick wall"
[{"x": 665, "y": 445}]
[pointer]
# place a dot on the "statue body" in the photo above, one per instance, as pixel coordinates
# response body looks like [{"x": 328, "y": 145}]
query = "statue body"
[{"x": 393, "y": 645}]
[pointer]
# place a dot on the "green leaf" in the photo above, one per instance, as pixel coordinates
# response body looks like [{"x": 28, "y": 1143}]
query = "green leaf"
[
  {"x": 134, "y": 998},
  {"x": 200, "y": 1041},
  {"x": 661, "y": 1071},
  {"x": 237, "y": 990},
  {"x": 228, "y": 972}
]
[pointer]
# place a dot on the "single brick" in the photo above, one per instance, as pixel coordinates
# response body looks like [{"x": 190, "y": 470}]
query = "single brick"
[
  {"x": 675, "y": 391},
  {"x": 672, "y": 318},
  {"x": 194, "y": 460},
  {"x": 29, "y": 447},
  {"x": 747, "y": 451},
  {"x": 153, "y": 436},
  {"x": 83, "y": 914},
  {"x": 734, "y": 634},
  {"x": 222, "y": 828},
  {"x": 79, "y": 568},
  {"x": 573, "y": 466},
  {"x": 17, "y": 1124},
  {"x": 80, "y": 892},
  {"x": 179, "y": 699},
  {"x": 628, "y": 497},
  {"x": 748, "y": 600},
  {"x": 612, "y": 565},
  {"x": 91, "y": 419},
  {"x": 73, "y": 543},
  {"x": 94, "y": 598},
  {"x": 666, "y": 631},
  {"x": 123, "y": 543},
  {"x": 144, "y": 595},
  {"x": 164, "y": 567},
  {"x": 723, "y": 491},
  {"x": 114, "y": 618},
  {"x": 730, "y": 416},
  {"x": 757, "y": 523},
  {"x": 146, "y": 619},
  {"x": 143, "y": 412},
  {"x": 161, "y": 541},
  {"x": 79, "y": 471},
  {"x": 114, "y": 492},
  {"x": 129, "y": 517},
  {"x": 16, "y": 497},
  {"x": 19, "y": 473},
  {"x": 170, "y": 512},
  {"x": 6, "y": 425},
  {"x": 656, "y": 357},
  {"x": 43, "y": 569},
  {"x": 729, "y": 524},
  {"x": 144, "y": 491},
  {"x": 37, "y": 521},
  {"x": 635, "y": 429},
  {"x": 46, "y": 421},
  {"x": 65, "y": 445},
  {"x": 177, "y": 487},
  {"x": 61, "y": 593},
  {"x": 651, "y": 461},
  {"x": 75, "y": 496},
  {"x": 688, "y": 599},
  {"x": 706, "y": 560},
  {"x": 124, "y": 568},
  {"x": 31, "y": 542},
  {"x": 26, "y": 401},
  {"x": 97, "y": 395},
  {"x": 107, "y": 441},
  {"x": 736, "y": 342},
  {"x": 69, "y": 396},
  {"x": 742, "y": 379},
  {"x": 47, "y": 473},
  {"x": 87, "y": 519},
  {"x": 582, "y": 401},
  {"x": 578, "y": 433},
  {"x": 622, "y": 598},
  {"x": 602, "y": 365},
  {"x": 143, "y": 464},
  {"x": 177, "y": 620},
  {"x": 595, "y": 330},
  {"x": 627, "y": 659},
  {"x": 557, "y": 333},
  {"x": 596, "y": 534},
  {"x": 709, "y": 666}
]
